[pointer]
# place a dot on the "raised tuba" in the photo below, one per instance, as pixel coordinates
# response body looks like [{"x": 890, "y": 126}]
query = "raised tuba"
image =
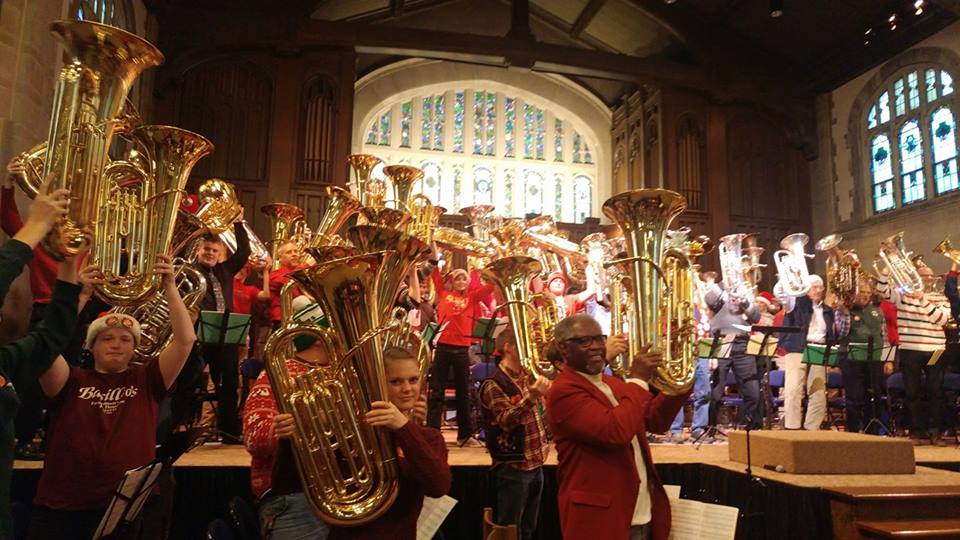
[
  {"x": 947, "y": 250},
  {"x": 284, "y": 219},
  {"x": 659, "y": 286},
  {"x": 791, "y": 261},
  {"x": 895, "y": 260},
  {"x": 103, "y": 63},
  {"x": 363, "y": 166},
  {"x": 843, "y": 268}
]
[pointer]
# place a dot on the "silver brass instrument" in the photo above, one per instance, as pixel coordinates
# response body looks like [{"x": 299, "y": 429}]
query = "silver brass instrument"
[
  {"x": 659, "y": 287},
  {"x": 895, "y": 261},
  {"x": 730, "y": 250},
  {"x": 791, "y": 263}
]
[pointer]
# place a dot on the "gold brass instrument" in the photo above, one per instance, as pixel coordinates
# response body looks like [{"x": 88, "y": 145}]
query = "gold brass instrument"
[
  {"x": 896, "y": 262},
  {"x": 363, "y": 165},
  {"x": 947, "y": 250},
  {"x": 791, "y": 261},
  {"x": 657, "y": 287},
  {"x": 403, "y": 178},
  {"x": 347, "y": 468},
  {"x": 512, "y": 275},
  {"x": 461, "y": 242},
  {"x": 153, "y": 315},
  {"x": 137, "y": 221},
  {"x": 341, "y": 207},
  {"x": 593, "y": 248},
  {"x": 425, "y": 217},
  {"x": 557, "y": 253},
  {"x": 730, "y": 250},
  {"x": 752, "y": 268},
  {"x": 843, "y": 268},
  {"x": 103, "y": 63},
  {"x": 219, "y": 209},
  {"x": 283, "y": 218}
]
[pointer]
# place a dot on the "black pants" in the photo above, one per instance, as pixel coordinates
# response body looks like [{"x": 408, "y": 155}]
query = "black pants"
[
  {"x": 745, "y": 372},
  {"x": 861, "y": 390},
  {"x": 224, "y": 371},
  {"x": 924, "y": 398},
  {"x": 30, "y": 414},
  {"x": 445, "y": 357}
]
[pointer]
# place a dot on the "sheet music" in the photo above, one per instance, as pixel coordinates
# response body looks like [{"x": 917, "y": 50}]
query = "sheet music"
[
  {"x": 432, "y": 514},
  {"x": 673, "y": 492},
  {"x": 133, "y": 491},
  {"x": 693, "y": 520}
]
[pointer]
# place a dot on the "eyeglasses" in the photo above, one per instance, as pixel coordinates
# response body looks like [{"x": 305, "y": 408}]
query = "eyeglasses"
[{"x": 586, "y": 341}]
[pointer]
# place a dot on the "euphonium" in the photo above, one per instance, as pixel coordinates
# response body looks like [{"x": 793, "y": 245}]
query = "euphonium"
[
  {"x": 730, "y": 251},
  {"x": 657, "y": 288},
  {"x": 156, "y": 332},
  {"x": 843, "y": 268},
  {"x": 362, "y": 165},
  {"x": 138, "y": 220},
  {"x": 947, "y": 250},
  {"x": 512, "y": 275},
  {"x": 283, "y": 218},
  {"x": 347, "y": 468},
  {"x": 896, "y": 261},
  {"x": 791, "y": 263},
  {"x": 403, "y": 178},
  {"x": 103, "y": 63},
  {"x": 341, "y": 206},
  {"x": 752, "y": 268}
]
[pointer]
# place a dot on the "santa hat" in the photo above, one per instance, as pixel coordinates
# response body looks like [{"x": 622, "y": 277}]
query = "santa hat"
[
  {"x": 556, "y": 275},
  {"x": 766, "y": 298},
  {"x": 112, "y": 320},
  {"x": 451, "y": 275}
]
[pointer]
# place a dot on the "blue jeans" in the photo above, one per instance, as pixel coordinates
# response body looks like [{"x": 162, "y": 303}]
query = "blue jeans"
[
  {"x": 701, "y": 401},
  {"x": 290, "y": 517},
  {"x": 518, "y": 498}
]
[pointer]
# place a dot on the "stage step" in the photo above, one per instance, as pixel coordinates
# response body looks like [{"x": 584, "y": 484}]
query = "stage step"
[{"x": 921, "y": 528}]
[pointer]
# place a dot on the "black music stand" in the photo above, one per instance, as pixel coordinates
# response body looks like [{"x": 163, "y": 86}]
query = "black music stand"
[
  {"x": 716, "y": 350},
  {"x": 766, "y": 396},
  {"x": 223, "y": 328}
]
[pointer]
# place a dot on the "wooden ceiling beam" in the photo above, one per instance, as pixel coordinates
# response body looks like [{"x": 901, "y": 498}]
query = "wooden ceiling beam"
[
  {"x": 396, "y": 8},
  {"x": 585, "y": 17}
]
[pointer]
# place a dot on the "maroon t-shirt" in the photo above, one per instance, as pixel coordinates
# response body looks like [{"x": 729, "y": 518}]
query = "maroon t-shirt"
[{"x": 101, "y": 425}]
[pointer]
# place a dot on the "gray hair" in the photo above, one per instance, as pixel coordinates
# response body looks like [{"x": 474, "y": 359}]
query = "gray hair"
[{"x": 565, "y": 327}]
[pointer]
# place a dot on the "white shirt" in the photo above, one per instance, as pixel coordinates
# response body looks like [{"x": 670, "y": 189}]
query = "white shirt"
[
  {"x": 642, "y": 510},
  {"x": 817, "y": 332}
]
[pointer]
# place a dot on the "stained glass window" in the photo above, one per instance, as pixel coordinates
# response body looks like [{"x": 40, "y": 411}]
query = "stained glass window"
[
  {"x": 582, "y": 198},
  {"x": 426, "y": 123},
  {"x": 931, "y": 81},
  {"x": 491, "y": 124},
  {"x": 911, "y": 162},
  {"x": 558, "y": 139},
  {"x": 461, "y": 198},
  {"x": 882, "y": 171},
  {"x": 577, "y": 143},
  {"x": 587, "y": 158},
  {"x": 482, "y": 186},
  {"x": 914, "y": 91},
  {"x": 900, "y": 100},
  {"x": 406, "y": 112},
  {"x": 558, "y": 197},
  {"x": 884, "y": 104},
  {"x": 438, "y": 117},
  {"x": 509, "y": 126},
  {"x": 430, "y": 185},
  {"x": 478, "y": 122},
  {"x": 541, "y": 129},
  {"x": 385, "y": 129},
  {"x": 528, "y": 131},
  {"x": 372, "y": 134},
  {"x": 508, "y": 191},
  {"x": 946, "y": 83},
  {"x": 532, "y": 192},
  {"x": 458, "y": 123},
  {"x": 944, "y": 129}
]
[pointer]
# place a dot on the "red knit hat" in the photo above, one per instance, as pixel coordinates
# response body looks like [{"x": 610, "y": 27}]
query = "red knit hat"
[{"x": 556, "y": 275}]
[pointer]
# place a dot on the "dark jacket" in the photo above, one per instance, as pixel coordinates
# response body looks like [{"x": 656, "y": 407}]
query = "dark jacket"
[
  {"x": 800, "y": 316},
  {"x": 27, "y": 358},
  {"x": 950, "y": 291},
  {"x": 225, "y": 271}
]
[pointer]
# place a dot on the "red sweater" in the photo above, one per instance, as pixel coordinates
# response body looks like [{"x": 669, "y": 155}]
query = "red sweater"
[
  {"x": 277, "y": 280},
  {"x": 459, "y": 311},
  {"x": 43, "y": 269},
  {"x": 889, "y": 310},
  {"x": 244, "y": 297},
  {"x": 423, "y": 472}
]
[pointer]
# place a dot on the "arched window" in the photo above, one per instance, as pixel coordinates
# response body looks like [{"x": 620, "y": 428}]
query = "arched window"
[
  {"x": 910, "y": 137},
  {"x": 488, "y": 147},
  {"x": 317, "y": 120},
  {"x": 118, "y": 13}
]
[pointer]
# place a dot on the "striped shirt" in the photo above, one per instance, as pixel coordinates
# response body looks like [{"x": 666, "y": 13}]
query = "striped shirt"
[{"x": 919, "y": 320}]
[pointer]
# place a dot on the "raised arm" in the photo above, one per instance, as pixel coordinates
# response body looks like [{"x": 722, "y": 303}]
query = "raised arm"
[
  {"x": 52, "y": 335},
  {"x": 173, "y": 357},
  {"x": 239, "y": 258}
]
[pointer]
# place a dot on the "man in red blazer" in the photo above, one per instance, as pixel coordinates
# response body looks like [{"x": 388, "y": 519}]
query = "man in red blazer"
[{"x": 608, "y": 486}]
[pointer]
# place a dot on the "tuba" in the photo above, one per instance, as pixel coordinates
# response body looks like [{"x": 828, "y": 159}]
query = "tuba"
[
  {"x": 341, "y": 207},
  {"x": 90, "y": 91},
  {"x": 896, "y": 261},
  {"x": 140, "y": 209},
  {"x": 363, "y": 166},
  {"x": 730, "y": 250},
  {"x": 219, "y": 210},
  {"x": 403, "y": 178},
  {"x": 791, "y": 263},
  {"x": 947, "y": 250},
  {"x": 843, "y": 268},
  {"x": 752, "y": 268},
  {"x": 658, "y": 285},
  {"x": 284, "y": 218}
]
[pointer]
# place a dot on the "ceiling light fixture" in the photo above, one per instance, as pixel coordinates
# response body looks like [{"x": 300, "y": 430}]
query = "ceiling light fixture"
[
  {"x": 919, "y": 7},
  {"x": 776, "y": 8},
  {"x": 893, "y": 21}
]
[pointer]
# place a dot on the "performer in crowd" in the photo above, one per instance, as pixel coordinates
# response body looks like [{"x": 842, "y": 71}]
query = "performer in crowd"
[
  {"x": 515, "y": 436},
  {"x": 289, "y": 257},
  {"x": 223, "y": 360},
  {"x": 103, "y": 422},
  {"x": 556, "y": 287},
  {"x": 731, "y": 317},
  {"x": 22, "y": 361},
  {"x": 457, "y": 312},
  {"x": 609, "y": 487},
  {"x": 285, "y": 512},
  {"x": 920, "y": 322},
  {"x": 819, "y": 325},
  {"x": 862, "y": 379},
  {"x": 423, "y": 454}
]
